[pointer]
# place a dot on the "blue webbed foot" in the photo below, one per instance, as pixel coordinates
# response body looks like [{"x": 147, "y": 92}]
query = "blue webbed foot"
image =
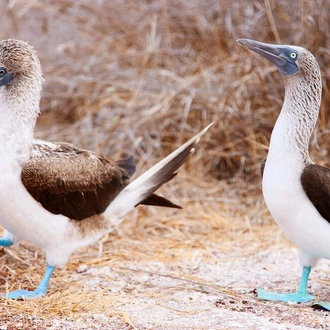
[
  {"x": 287, "y": 297},
  {"x": 300, "y": 296},
  {"x": 25, "y": 294},
  {"x": 5, "y": 241},
  {"x": 38, "y": 292}
]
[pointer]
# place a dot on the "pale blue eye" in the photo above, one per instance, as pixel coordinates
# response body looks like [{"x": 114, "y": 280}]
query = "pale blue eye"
[{"x": 293, "y": 55}]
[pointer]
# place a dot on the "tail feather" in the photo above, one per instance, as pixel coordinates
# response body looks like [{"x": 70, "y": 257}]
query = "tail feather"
[
  {"x": 127, "y": 165},
  {"x": 146, "y": 184},
  {"x": 157, "y": 200}
]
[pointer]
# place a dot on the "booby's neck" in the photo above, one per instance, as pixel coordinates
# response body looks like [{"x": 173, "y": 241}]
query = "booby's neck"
[
  {"x": 298, "y": 117},
  {"x": 19, "y": 108}
]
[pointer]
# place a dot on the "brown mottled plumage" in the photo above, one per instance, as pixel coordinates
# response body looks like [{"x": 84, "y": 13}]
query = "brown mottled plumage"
[
  {"x": 315, "y": 180},
  {"x": 70, "y": 181}
]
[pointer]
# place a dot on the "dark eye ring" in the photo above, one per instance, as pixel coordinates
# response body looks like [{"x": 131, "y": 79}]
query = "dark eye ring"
[{"x": 2, "y": 71}]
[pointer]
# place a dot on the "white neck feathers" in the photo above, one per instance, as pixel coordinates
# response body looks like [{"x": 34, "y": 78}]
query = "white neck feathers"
[{"x": 19, "y": 108}]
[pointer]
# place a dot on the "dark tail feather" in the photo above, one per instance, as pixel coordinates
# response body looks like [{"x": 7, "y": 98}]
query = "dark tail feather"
[
  {"x": 127, "y": 165},
  {"x": 139, "y": 190},
  {"x": 156, "y": 200},
  {"x": 166, "y": 173}
]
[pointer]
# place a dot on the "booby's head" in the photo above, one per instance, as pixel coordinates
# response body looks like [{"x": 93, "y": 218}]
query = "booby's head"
[
  {"x": 19, "y": 65},
  {"x": 290, "y": 60}
]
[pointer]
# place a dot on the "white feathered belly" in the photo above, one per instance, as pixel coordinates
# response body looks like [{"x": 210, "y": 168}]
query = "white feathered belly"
[
  {"x": 294, "y": 213},
  {"x": 26, "y": 218}
]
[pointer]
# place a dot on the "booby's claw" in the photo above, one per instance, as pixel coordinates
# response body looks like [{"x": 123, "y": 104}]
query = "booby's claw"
[
  {"x": 25, "y": 294},
  {"x": 5, "y": 241},
  {"x": 286, "y": 297},
  {"x": 321, "y": 304}
]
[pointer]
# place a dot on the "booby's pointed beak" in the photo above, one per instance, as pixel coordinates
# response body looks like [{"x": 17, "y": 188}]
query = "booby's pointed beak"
[{"x": 284, "y": 57}]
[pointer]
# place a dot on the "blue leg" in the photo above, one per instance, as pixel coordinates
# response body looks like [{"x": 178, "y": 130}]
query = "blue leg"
[
  {"x": 300, "y": 296},
  {"x": 5, "y": 241},
  {"x": 38, "y": 292}
]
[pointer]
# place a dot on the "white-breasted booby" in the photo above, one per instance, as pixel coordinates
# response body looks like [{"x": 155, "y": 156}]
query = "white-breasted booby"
[
  {"x": 296, "y": 191},
  {"x": 55, "y": 195}
]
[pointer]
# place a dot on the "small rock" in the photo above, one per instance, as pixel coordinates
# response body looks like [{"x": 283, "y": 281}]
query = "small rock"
[{"x": 82, "y": 268}]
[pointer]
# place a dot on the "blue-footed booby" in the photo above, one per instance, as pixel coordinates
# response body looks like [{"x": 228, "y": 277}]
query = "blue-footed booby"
[
  {"x": 296, "y": 191},
  {"x": 55, "y": 195}
]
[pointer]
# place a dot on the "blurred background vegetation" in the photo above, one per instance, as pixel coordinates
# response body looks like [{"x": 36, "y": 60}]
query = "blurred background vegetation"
[{"x": 141, "y": 77}]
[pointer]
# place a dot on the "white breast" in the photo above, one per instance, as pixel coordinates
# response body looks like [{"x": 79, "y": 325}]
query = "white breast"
[
  {"x": 290, "y": 206},
  {"x": 26, "y": 218}
]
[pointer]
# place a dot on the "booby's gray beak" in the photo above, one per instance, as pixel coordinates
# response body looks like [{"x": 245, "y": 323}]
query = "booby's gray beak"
[
  {"x": 277, "y": 54},
  {"x": 6, "y": 78}
]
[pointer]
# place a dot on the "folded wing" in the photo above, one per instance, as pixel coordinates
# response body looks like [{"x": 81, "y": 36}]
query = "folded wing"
[{"x": 73, "y": 182}]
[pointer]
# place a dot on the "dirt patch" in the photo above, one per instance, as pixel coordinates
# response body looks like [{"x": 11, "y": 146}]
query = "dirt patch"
[{"x": 143, "y": 284}]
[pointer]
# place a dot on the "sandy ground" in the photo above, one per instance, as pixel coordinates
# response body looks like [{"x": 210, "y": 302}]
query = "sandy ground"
[{"x": 217, "y": 292}]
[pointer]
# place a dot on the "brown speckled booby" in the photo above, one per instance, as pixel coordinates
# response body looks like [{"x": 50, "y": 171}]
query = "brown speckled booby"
[
  {"x": 296, "y": 191},
  {"x": 56, "y": 195}
]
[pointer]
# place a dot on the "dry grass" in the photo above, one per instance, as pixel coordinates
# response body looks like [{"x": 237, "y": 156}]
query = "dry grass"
[{"x": 141, "y": 77}]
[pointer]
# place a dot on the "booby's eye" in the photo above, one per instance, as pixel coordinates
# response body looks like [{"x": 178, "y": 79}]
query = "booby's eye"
[
  {"x": 3, "y": 71},
  {"x": 293, "y": 55}
]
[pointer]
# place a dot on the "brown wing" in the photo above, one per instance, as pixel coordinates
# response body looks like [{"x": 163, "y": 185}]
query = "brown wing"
[
  {"x": 315, "y": 180},
  {"x": 73, "y": 182}
]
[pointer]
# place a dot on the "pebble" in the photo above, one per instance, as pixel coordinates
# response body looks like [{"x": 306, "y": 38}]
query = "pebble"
[{"x": 82, "y": 268}]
